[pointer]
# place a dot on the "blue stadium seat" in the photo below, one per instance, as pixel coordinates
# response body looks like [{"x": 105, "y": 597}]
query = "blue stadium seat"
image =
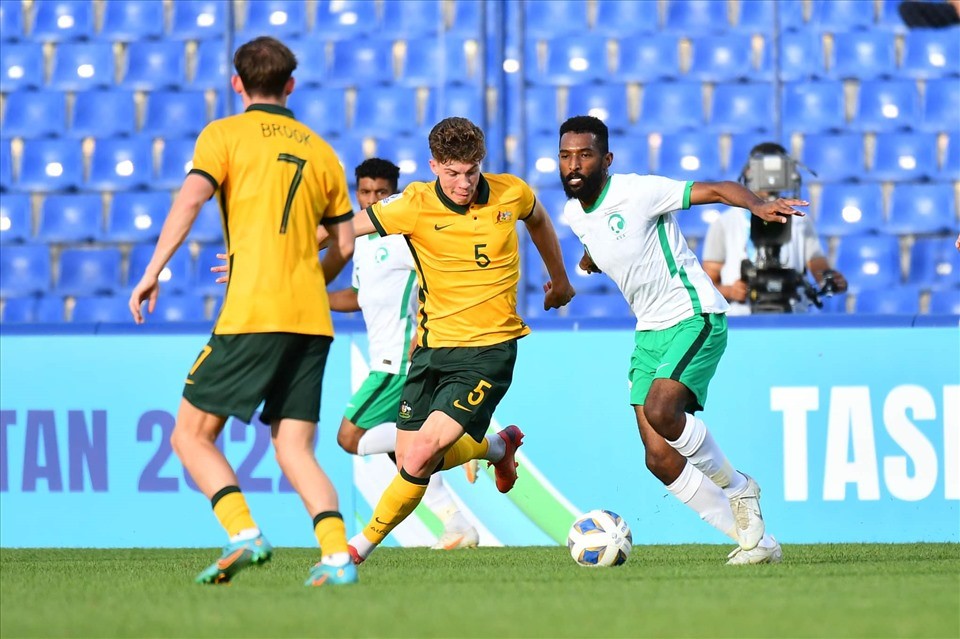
[
  {"x": 350, "y": 151},
  {"x": 801, "y": 56},
  {"x": 121, "y": 163},
  {"x": 653, "y": 57},
  {"x": 175, "y": 113},
  {"x": 385, "y": 110},
  {"x": 554, "y": 200},
  {"x": 922, "y": 208},
  {"x": 24, "y": 270},
  {"x": 129, "y": 20},
  {"x": 175, "y": 162},
  {"x": 82, "y": 66},
  {"x": 155, "y": 64},
  {"x": 71, "y": 218},
  {"x": 311, "y": 57},
  {"x": 722, "y": 58},
  {"x": 103, "y": 114},
  {"x": 177, "y": 276},
  {"x": 206, "y": 282},
  {"x": 532, "y": 272},
  {"x": 465, "y": 19},
  {"x": 941, "y": 106},
  {"x": 34, "y": 114},
  {"x": 430, "y": 62},
  {"x": 889, "y": 17},
  {"x": 213, "y": 65},
  {"x": 841, "y": 15},
  {"x": 931, "y": 53},
  {"x": 21, "y": 66},
  {"x": 869, "y": 261},
  {"x": 573, "y": 61},
  {"x": 850, "y": 209},
  {"x": 137, "y": 216},
  {"x": 813, "y": 107},
  {"x": 689, "y": 156},
  {"x": 413, "y": 19},
  {"x": 6, "y": 165},
  {"x": 97, "y": 309},
  {"x": 346, "y": 19},
  {"x": 541, "y": 160},
  {"x": 617, "y": 19},
  {"x": 835, "y": 157},
  {"x": 16, "y": 217},
  {"x": 631, "y": 153},
  {"x": 863, "y": 55},
  {"x": 951, "y": 162},
  {"x": 898, "y": 300},
  {"x": 945, "y": 301},
  {"x": 572, "y": 251},
  {"x": 756, "y": 16},
  {"x": 598, "y": 305},
  {"x": 59, "y": 20},
  {"x": 410, "y": 153},
  {"x": 89, "y": 271},
  {"x": 905, "y": 156},
  {"x": 464, "y": 102},
  {"x": 281, "y": 19},
  {"x": 741, "y": 108},
  {"x": 50, "y": 165},
  {"x": 541, "y": 110},
  {"x": 19, "y": 310},
  {"x": 323, "y": 110},
  {"x": 696, "y": 17},
  {"x": 11, "y": 21},
  {"x": 887, "y": 105},
  {"x": 605, "y": 101},
  {"x": 199, "y": 20},
  {"x": 935, "y": 263},
  {"x": 188, "y": 307},
  {"x": 208, "y": 227},
  {"x": 695, "y": 222},
  {"x": 667, "y": 107},
  {"x": 552, "y": 18},
  {"x": 740, "y": 146},
  {"x": 50, "y": 310},
  {"x": 363, "y": 63}
]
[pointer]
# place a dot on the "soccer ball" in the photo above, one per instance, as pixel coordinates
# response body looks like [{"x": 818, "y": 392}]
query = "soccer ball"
[{"x": 600, "y": 538}]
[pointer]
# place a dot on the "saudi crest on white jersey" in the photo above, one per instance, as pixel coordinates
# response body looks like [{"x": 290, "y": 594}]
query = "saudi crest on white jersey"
[
  {"x": 387, "y": 291},
  {"x": 633, "y": 237}
]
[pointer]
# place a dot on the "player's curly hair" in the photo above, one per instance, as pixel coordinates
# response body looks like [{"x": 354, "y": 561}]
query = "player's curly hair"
[
  {"x": 457, "y": 140},
  {"x": 378, "y": 168},
  {"x": 588, "y": 124},
  {"x": 264, "y": 65}
]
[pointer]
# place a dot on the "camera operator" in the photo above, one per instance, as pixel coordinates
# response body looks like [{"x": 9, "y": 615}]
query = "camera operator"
[{"x": 770, "y": 173}]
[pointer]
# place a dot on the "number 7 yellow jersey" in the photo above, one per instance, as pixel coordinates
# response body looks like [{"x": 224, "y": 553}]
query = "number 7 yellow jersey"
[{"x": 276, "y": 181}]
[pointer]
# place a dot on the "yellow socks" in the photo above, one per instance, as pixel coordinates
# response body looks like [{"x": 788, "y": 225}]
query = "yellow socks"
[
  {"x": 230, "y": 507},
  {"x": 398, "y": 500},
  {"x": 463, "y": 450},
  {"x": 331, "y": 532}
]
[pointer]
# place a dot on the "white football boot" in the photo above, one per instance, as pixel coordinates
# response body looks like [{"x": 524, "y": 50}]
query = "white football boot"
[
  {"x": 454, "y": 539},
  {"x": 746, "y": 510},
  {"x": 759, "y": 555}
]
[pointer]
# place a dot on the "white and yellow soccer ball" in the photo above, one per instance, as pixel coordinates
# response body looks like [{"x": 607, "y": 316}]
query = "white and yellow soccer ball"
[{"x": 600, "y": 538}]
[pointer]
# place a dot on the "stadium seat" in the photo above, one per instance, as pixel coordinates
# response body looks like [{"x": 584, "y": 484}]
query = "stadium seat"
[
  {"x": 50, "y": 165},
  {"x": 667, "y": 107},
  {"x": 364, "y": 63},
  {"x": 887, "y": 105},
  {"x": 59, "y": 20},
  {"x": 905, "y": 156},
  {"x": 554, "y": 18},
  {"x": 24, "y": 270},
  {"x": 71, "y": 218},
  {"x": 922, "y": 208},
  {"x": 198, "y": 20},
  {"x": 649, "y": 58},
  {"x": 101, "y": 309},
  {"x": 346, "y": 19},
  {"x": 583, "y": 282},
  {"x": 177, "y": 276},
  {"x": 384, "y": 111},
  {"x": 431, "y": 62},
  {"x": 740, "y": 146},
  {"x": 618, "y": 19},
  {"x": 689, "y": 156},
  {"x": 155, "y": 64},
  {"x": 813, "y": 107},
  {"x": 935, "y": 263},
  {"x": 741, "y": 108},
  {"x": 756, "y": 16},
  {"x": 459, "y": 101},
  {"x": 121, "y": 163},
  {"x": 598, "y": 305},
  {"x": 16, "y": 218},
  {"x": 410, "y": 153},
  {"x": 323, "y": 110},
  {"x": 951, "y": 162},
  {"x": 208, "y": 227},
  {"x": 311, "y": 57},
  {"x": 631, "y": 153},
  {"x": 89, "y": 271},
  {"x": 206, "y": 282},
  {"x": 850, "y": 209},
  {"x": 50, "y": 310},
  {"x": 835, "y": 157},
  {"x": 350, "y": 151},
  {"x": 898, "y": 300},
  {"x": 696, "y": 17},
  {"x": 889, "y": 17},
  {"x": 801, "y": 56},
  {"x": 941, "y": 106},
  {"x": 931, "y": 53},
  {"x": 605, "y": 101},
  {"x": 176, "y": 160},
  {"x": 869, "y": 261},
  {"x": 573, "y": 61},
  {"x": 11, "y": 21},
  {"x": 103, "y": 114},
  {"x": 465, "y": 18},
  {"x": 137, "y": 216},
  {"x": 175, "y": 113},
  {"x": 6, "y": 165},
  {"x": 541, "y": 159},
  {"x": 863, "y": 55},
  {"x": 188, "y": 307},
  {"x": 34, "y": 114},
  {"x": 21, "y": 65},
  {"x": 130, "y": 20},
  {"x": 554, "y": 200},
  {"x": 413, "y": 19},
  {"x": 841, "y": 15},
  {"x": 722, "y": 58},
  {"x": 541, "y": 110},
  {"x": 213, "y": 66},
  {"x": 19, "y": 310},
  {"x": 82, "y": 66},
  {"x": 281, "y": 19},
  {"x": 945, "y": 302},
  {"x": 695, "y": 222}
]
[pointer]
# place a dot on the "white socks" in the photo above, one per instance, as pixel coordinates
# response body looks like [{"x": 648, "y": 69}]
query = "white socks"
[
  {"x": 245, "y": 534},
  {"x": 363, "y": 545},
  {"x": 379, "y": 439},
  {"x": 440, "y": 502},
  {"x": 698, "y": 446},
  {"x": 496, "y": 448},
  {"x": 706, "y": 498}
]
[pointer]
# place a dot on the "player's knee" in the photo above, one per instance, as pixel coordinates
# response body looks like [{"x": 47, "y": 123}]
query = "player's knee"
[
  {"x": 348, "y": 440},
  {"x": 664, "y": 417}
]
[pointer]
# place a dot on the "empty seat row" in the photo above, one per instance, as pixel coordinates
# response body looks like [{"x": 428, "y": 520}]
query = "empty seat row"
[{"x": 54, "y": 309}]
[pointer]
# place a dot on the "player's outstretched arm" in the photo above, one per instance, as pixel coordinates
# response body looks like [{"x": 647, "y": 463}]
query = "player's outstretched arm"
[
  {"x": 558, "y": 291},
  {"x": 339, "y": 249},
  {"x": 734, "y": 194},
  {"x": 196, "y": 190}
]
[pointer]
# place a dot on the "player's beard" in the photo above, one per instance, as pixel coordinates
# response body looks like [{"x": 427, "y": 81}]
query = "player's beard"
[{"x": 589, "y": 189}]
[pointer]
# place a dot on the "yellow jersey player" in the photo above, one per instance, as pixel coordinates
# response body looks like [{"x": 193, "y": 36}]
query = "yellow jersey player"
[
  {"x": 276, "y": 182},
  {"x": 462, "y": 232}
]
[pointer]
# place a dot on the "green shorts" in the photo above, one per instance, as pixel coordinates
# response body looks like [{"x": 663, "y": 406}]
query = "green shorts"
[
  {"x": 376, "y": 401},
  {"x": 464, "y": 382},
  {"x": 234, "y": 373},
  {"x": 688, "y": 353}
]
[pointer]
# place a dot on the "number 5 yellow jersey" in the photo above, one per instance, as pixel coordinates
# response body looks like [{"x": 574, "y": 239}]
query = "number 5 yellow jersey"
[{"x": 276, "y": 181}]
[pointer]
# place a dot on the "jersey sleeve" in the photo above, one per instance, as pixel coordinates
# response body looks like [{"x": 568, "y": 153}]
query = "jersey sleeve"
[
  {"x": 661, "y": 194},
  {"x": 527, "y": 200},
  {"x": 397, "y": 214},
  {"x": 339, "y": 209},
  {"x": 714, "y": 247},
  {"x": 210, "y": 155}
]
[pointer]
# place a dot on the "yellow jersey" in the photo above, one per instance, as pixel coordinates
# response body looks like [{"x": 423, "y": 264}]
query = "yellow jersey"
[
  {"x": 467, "y": 258},
  {"x": 276, "y": 181}
]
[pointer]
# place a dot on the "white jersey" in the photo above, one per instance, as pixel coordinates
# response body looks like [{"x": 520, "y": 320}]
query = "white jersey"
[
  {"x": 633, "y": 237},
  {"x": 387, "y": 291}
]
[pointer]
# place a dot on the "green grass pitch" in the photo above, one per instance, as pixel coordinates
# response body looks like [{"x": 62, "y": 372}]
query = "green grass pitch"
[{"x": 840, "y": 590}]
